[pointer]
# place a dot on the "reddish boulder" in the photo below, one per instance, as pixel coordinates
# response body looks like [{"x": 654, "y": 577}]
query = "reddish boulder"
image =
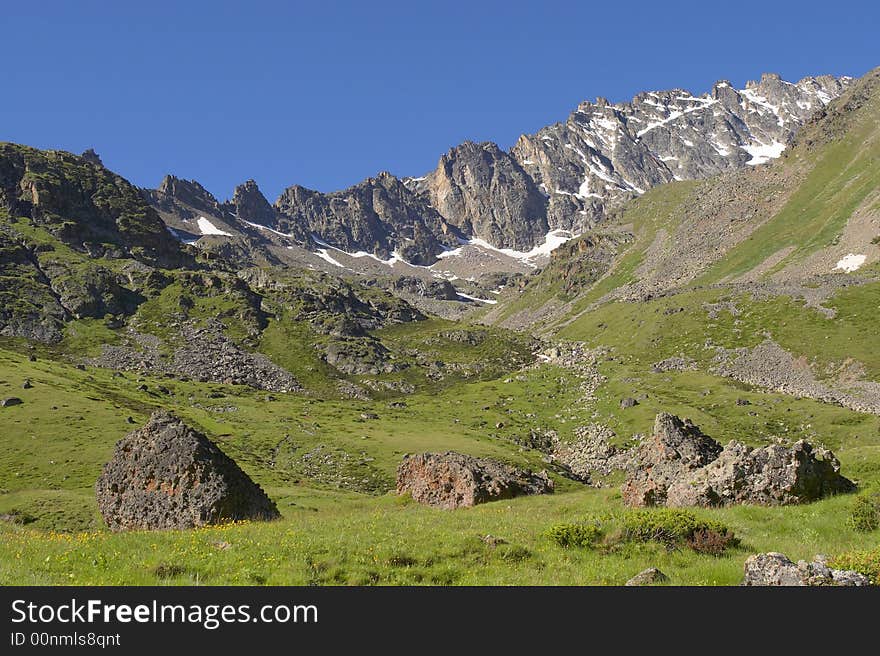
[{"x": 453, "y": 480}]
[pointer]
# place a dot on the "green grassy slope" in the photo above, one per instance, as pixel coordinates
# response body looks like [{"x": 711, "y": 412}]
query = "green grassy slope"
[{"x": 843, "y": 173}]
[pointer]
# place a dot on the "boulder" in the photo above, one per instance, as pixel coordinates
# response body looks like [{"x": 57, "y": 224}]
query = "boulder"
[
  {"x": 771, "y": 476},
  {"x": 650, "y": 576},
  {"x": 11, "y": 401},
  {"x": 628, "y": 402},
  {"x": 168, "y": 475},
  {"x": 453, "y": 480},
  {"x": 679, "y": 466},
  {"x": 775, "y": 569},
  {"x": 674, "y": 448}
]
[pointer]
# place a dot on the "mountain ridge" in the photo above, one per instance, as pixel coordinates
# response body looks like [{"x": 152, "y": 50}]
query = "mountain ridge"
[{"x": 565, "y": 177}]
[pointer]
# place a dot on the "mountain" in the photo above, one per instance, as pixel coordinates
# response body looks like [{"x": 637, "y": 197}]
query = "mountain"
[
  {"x": 787, "y": 253},
  {"x": 76, "y": 241},
  {"x": 487, "y": 194},
  {"x": 605, "y": 154},
  {"x": 84, "y": 205},
  {"x": 379, "y": 215},
  {"x": 486, "y": 210}
]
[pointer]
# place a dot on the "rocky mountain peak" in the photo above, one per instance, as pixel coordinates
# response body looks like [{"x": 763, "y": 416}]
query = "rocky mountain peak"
[
  {"x": 380, "y": 216},
  {"x": 251, "y": 205},
  {"x": 189, "y": 192},
  {"x": 562, "y": 180},
  {"x": 604, "y": 154},
  {"x": 92, "y": 157},
  {"x": 484, "y": 192}
]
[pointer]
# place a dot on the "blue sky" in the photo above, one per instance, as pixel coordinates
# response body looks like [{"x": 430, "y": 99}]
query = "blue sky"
[{"x": 326, "y": 93}]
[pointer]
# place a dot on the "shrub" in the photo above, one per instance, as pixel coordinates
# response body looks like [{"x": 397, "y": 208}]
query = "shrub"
[
  {"x": 876, "y": 240},
  {"x": 168, "y": 570},
  {"x": 16, "y": 516},
  {"x": 514, "y": 553},
  {"x": 865, "y": 514},
  {"x": 582, "y": 536},
  {"x": 673, "y": 527},
  {"x": 864, "y": 562},
  {"x": 711, "y": 542}
]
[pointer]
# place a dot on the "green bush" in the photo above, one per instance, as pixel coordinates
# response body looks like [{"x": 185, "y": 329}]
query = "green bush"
[
  {"x": 673, "y": 528},
  {"x": 865, "y": 514},
  {"x": 582, "y": 536},
  {"x": 864, "y": 562},
  {"x": 16, "y": 516}
]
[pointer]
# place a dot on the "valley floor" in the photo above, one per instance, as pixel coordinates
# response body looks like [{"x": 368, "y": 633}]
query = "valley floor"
[{"x": 329, "y": 465}]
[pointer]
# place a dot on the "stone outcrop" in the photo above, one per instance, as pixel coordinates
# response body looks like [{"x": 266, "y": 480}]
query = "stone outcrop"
[
  {"x": 101, "y": 218},
  {"x": 252, "y": 206},
  {"x": 679, "y": 466},
  {"x": 410, "y": 285},
  {"x": 485, "y": 192},
  {"x": 775, "y": 569},
  {"x": 771, "y": 475},
  {"x": 206, "y": 354},
  {"x": 453, "y": 480},
  {"x": 590, "y": 454},
  {"x": 673, "y": 450},
  {"x": 650, "y": 576},
  {"x": 167, "y": 475},
  {"x": 380, "y": 216},
  {"x": 89, "y": 155},
  {"x": 89, "y": 208}
]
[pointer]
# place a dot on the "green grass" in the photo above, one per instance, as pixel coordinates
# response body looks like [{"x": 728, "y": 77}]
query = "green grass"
[
  {"x": 351, "y": 540},
  {"x": 334, "y": 535}
]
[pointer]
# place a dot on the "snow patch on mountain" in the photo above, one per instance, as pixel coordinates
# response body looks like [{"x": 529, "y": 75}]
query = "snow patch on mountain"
[
  {"x": 474, "y": 298},
  {"x": 179, "y": 237},
  {"x": 552, "y": 240},
  {"x": 208, "y": 228},
  {"x": 851, "y": 263},
  {"x": 763, "y": 153}
]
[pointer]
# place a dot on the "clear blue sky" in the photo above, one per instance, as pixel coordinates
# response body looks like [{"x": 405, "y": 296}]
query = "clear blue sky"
[{"x": 326, "y": 93}]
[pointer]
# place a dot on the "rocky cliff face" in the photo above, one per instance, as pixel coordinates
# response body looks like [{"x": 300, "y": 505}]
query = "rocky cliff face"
[
  {"x": 69, "y": 231},
  {"x": 485, "y": 192},
  {"x": 606, "y": 153},
  {"x": 84, "y": 205},
  {"x": 566, "y": 177},
  {"x": 250, "y": 204},
  {"x": 380, "y": 216}
]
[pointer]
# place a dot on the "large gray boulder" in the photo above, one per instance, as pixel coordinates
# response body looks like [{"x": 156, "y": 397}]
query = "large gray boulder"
[
  {"x": 775, "y": 569},
  {"x": 772, "y": 476},
  {"x": 453, "y": 480},
  {"x": 680, "y": 466},
  {"x": 168, "y": 475}
]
